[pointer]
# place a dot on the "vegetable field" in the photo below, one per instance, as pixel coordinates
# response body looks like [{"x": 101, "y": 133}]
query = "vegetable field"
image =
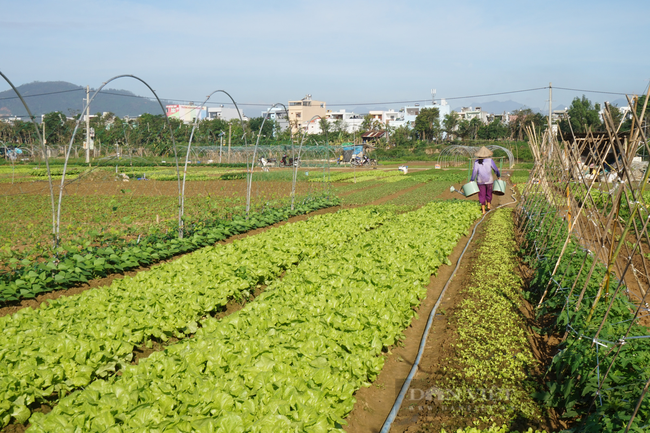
[{"x": 314, "y": 323}]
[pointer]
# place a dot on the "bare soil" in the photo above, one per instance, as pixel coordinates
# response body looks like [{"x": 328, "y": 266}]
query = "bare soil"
[{"x": 154, "y": 188}]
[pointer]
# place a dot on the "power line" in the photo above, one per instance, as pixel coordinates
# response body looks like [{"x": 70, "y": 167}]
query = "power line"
[
  {"x": 341, "y": 104},
  {"x": 42, "y": 94},
  {"x": 592, "y": 91}
]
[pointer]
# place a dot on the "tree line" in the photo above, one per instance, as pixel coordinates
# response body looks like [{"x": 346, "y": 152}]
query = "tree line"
[{"x": 151, "y": 134}]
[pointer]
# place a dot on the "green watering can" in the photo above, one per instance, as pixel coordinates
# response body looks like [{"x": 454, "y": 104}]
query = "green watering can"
[
  {"x": 499, "y": 187},
  {"x": 470, "y": 188}
]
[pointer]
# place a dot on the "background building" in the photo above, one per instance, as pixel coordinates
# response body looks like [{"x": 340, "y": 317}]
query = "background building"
[
  {"x": 301, "y": 112},
  {"x": 187, "y": 113},
  {"x": 224, "y": 113}
]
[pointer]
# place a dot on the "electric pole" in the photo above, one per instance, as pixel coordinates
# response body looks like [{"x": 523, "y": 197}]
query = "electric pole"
[
  {"x": 87, "y": 124},
  {"x": 550, "y": 115},
  {"x": 229, "y": 136}
]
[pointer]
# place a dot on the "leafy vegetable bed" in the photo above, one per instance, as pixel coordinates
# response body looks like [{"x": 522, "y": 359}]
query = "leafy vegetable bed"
[
  {"x": 71, "y": 341},
  {"x": 28, "y": 279},
  {"x": 292, "y": 359},
  {"x": 492, "y": 351}
]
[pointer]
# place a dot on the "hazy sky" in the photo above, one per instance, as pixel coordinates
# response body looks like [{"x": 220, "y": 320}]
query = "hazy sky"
[{"x": 342, "y": 52}]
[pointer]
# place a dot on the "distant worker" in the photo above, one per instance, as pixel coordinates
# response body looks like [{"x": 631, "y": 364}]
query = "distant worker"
[
  {"x": 482, "y": 174},
  {"x": 340, "y": 159}
]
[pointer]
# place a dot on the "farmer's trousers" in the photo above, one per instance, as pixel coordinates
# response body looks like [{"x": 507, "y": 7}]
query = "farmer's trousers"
[{"x": 485, "y": 193}]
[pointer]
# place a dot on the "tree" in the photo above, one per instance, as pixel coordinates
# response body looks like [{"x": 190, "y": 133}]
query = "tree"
[
  {"x": 366, "y": 125},
  {"x": 401, "y": 136},
  {"x": 582, "y": 116},
  {"x": 255, "y": 123},
  {"x": 339, "y": 126},
  {"x": 427, "y": 122},
  {"x": 55, "y": 127},
  {"x": 325, "y": 126},
  {"x": 450, "y": 124},
  {"x": 521, "y": 119},
  {"x": 495, "y": 130}
]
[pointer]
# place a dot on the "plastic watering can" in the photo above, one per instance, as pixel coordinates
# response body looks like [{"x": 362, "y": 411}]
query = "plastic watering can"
[
  {"x": 470, "y": 188},
  {"x": 499, "y": 187}
]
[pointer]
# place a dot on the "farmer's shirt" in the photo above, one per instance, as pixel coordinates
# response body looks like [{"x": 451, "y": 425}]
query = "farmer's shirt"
[{"x": 483, "y": 172}]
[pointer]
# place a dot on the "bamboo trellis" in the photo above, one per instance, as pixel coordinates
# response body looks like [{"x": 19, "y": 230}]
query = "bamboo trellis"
[{"x": 590, "y": 197}]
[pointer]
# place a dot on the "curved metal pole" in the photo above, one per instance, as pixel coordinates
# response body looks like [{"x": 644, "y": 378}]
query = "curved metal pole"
[
  {"x": 189, "y": 145},
  {"x": 506, "y": 150},
  {"x": 67, "y": 156},
  {"x": 45, "y": 155},
  {"x": 295, "y": 166},
  {"x": 249, "y": 175}
]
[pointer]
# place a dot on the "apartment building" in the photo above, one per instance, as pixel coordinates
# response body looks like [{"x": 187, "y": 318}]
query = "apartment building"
[{"x": 302, "y": 111}]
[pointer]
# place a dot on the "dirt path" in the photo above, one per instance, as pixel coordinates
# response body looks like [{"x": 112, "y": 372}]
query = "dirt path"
[{"x": 105, "y": 281}]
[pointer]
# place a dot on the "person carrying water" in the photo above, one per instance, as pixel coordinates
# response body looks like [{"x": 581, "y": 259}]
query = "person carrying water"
[{"x": 482, "y": 174}]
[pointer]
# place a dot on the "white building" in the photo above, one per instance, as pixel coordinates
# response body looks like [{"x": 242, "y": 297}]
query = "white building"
[
  {"x": 412, "y": 111},
  {"x": 469, "y": 113},
  {"x": 223, "y": 113},
  {"x": 350, "y": 122},
  {"x": 279, "y": 115}
]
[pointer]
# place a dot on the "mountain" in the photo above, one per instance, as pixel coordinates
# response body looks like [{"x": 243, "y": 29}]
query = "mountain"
[{"x": 68, "y": 98}]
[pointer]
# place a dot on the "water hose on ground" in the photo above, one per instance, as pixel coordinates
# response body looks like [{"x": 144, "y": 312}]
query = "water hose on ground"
[{"x": 407, "y": 383}]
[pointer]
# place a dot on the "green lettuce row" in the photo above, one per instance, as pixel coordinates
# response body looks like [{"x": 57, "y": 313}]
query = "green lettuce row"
[
  {"x": 72, "y": 340},
  {"x": 292, "y": 359},
  {"x": 30, "y": 279}
]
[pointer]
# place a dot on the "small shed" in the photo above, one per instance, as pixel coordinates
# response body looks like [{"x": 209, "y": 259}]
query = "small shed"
[{"x": 373, "y": 136}]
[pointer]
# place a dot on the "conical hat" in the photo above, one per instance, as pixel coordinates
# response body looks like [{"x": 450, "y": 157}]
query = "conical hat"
[{"x": 483, "y": 152}]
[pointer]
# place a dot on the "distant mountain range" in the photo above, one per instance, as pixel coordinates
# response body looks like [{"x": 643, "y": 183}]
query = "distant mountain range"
[{"x": 68, "y": 98}]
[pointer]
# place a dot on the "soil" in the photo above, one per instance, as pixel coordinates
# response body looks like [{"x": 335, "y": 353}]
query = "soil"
[
  {"x": 397, "y": 194},
  {"x": 154, "y": 188}
]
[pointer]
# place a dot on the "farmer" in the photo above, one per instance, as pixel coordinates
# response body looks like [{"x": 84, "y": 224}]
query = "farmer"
[{"x": 482, "y": 174}]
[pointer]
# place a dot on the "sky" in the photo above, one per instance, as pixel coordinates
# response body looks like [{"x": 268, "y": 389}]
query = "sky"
[{"x": 346, "y": 53}]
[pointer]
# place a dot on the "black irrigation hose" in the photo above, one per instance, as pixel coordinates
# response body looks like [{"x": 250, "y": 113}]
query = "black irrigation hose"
[{"x": 407, "y": 383}]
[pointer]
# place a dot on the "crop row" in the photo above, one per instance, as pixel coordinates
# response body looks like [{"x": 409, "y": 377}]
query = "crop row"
[
  {"x": 361, "y": 175},
  {"x": 28, "y": 279},
  {"x": 69, "y": 342},
  {"x": 492, "y": 351},
  {"x": 292, "y": 359},
  {"x": 395, "y": 176},
  {"x": 596, "y": 380}
]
